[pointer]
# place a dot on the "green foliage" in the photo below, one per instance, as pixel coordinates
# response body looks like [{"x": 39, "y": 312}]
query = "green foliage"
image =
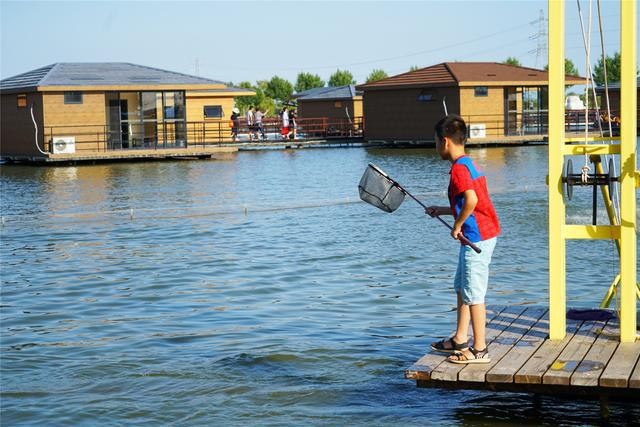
[
  {"x": 414, "y": 68},
  {"x": 279, "y": 89},
  {"x": 341, "y": 78},
  {"x": 259, "y": 100},
  {"x": 376, "y": 75},
  {"x": 512, "y": 60},
  {"x": 569, "y": 68},
  {"x": 306, "y": 81},
  {"x": 613, "y": 69}
]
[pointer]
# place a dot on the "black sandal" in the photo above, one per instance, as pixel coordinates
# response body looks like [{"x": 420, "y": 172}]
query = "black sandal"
[
  {"x": 479, "y": 356},
  {"x": 453, "y": 346}
]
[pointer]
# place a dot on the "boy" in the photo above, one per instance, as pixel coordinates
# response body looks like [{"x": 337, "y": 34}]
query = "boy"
[{"x": 476, "y": 219}]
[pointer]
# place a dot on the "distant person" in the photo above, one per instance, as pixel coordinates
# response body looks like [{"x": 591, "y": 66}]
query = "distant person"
[
  {"x": 250, "y": 121},
  {"x": 285, "y": 123},
  {"x": 259, "y": 115},
  {"x": 235, "y": 123},
  {"x": 292, "y": 124},
  {"x": 476, "y": 219}
]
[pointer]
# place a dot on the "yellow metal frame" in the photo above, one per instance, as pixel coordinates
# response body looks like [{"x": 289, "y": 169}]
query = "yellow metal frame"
[{"x": 625, "y": 232}]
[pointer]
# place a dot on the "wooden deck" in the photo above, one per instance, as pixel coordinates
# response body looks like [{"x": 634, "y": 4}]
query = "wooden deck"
[{"x": 589, "y": 361}]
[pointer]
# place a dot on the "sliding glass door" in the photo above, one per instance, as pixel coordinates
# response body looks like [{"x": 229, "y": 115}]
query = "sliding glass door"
[{"x": 146, "y": 120}]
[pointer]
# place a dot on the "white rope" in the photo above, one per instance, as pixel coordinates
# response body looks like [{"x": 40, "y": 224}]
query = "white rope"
[
  {"x": 36, "y": 128},
  {"x": 587, "y": 47},
  {"x": 616, "y": 203}
]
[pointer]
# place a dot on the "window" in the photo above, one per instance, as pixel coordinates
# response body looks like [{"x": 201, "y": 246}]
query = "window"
[
  {"x": 213, "y": 111},
  {"x": 481, "y": 91},
  {"x": 426, "y": 96},
  {"x": 22, "y": 101},
  {"x": 73, "y": 97},
  {"x": 337, "y": 104}
]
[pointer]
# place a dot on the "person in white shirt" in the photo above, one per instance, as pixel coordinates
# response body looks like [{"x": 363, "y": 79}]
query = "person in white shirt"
[
  {"x": 250, "y": 121},
  {"x": 285, "y": 123},
  {"x": 258, "y": 123}
]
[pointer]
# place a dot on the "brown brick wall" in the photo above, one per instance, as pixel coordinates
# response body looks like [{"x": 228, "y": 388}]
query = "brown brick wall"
[
  {"x": 313, "y": 109},
  {"x": 211, "y": 128},
  {"x": 17, "y": 134},
  {"x": 398, "y": 115},
  {"x": 86, "y": 122}
]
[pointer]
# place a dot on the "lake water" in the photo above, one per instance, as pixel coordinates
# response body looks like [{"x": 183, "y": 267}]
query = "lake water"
[{"x": 259, "y": 290}]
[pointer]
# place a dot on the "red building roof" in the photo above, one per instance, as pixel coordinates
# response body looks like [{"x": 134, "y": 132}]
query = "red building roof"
[{"x": 467, "y": 74}]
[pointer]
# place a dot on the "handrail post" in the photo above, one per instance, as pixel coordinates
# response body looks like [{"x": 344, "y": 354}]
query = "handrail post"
[
  {"x": 557, "y": 243},
  {"x": 628, "y": 142}
]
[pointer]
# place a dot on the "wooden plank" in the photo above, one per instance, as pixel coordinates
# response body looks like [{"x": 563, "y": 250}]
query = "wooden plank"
[
  {"x": 634, "y": 381},
  {"x": 447, "y": 371},
  {"x": 422, "y": 369},
  {"x": 537, "y": 365},
  {"x": 502, "y": 344},
  {"x": 559, "y": 373},
  {"x": 588, "y": 371},
  {"x": 505, "y": 369},
  {"x": 620, "y": 366}
]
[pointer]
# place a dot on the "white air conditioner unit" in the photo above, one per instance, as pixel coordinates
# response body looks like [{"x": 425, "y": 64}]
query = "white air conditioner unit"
[
  {"x": 478, "y": 131},
  {"x": 64, "y": 145}
]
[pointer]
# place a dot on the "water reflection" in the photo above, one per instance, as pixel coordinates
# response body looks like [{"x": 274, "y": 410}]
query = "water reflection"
[{"x": 258, "y": 288}]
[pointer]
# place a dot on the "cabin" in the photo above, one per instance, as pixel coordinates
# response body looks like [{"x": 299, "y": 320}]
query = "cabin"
[
  {"x": 614, "y": 101},
  {"x": 342, "y": 102},
  {"x": 496, "y": 100},
  {"x": 80, "y": 110}
]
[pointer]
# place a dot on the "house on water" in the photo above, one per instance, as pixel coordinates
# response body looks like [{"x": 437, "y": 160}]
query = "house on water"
[
  {"x": 110, "y": 110},
  {"x": 342, "y": 102},
  {"x": 496, "y": 100},
  {"x": 330, "y": 111},
  {"x": 614, "y": 100}
]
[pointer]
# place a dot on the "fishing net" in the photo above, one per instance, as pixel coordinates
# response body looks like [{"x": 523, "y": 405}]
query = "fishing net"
[{"x": 377, "y": 189}]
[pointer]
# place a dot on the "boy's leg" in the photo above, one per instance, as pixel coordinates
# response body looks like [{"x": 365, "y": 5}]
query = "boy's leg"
[
  {"x": 478, "y": 322},
  {"x": 462, "y": 327}
]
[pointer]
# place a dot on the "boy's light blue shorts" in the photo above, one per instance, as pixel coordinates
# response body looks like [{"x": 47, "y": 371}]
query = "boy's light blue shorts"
[{"x": 472, "y": 275}]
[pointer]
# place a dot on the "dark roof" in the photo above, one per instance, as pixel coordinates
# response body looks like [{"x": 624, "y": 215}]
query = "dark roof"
[
  {"x": 327, "y": 93},
  {"x": 100, "y": 74},
  {"x": 616, "y": 85},
  {"x": 462, "y": 73}
]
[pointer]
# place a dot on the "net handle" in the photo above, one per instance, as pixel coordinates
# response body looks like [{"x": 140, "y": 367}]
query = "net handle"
[{"x": 461, "y": 237}]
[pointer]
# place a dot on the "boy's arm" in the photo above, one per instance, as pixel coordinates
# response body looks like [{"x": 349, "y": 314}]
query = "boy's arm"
[
  {"x": 434, "y": 211},
  {"x": 470, "y": 202}
]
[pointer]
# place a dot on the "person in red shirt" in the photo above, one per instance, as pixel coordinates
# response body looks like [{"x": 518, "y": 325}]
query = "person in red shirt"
[{"x": 476, "y": 219}]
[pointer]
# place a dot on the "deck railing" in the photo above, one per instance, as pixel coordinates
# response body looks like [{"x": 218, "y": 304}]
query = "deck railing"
[{"x": 157, "y": 136}]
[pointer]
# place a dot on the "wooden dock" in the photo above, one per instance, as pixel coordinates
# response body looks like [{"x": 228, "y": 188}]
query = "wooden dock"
[{"x": 590, "y": 361}]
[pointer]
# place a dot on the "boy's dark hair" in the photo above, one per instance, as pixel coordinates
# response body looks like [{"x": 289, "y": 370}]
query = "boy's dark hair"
[{"x": 452, "y": 126}]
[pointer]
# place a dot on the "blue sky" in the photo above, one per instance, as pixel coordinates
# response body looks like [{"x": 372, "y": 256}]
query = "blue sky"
[{"x": 249, "y": 41}]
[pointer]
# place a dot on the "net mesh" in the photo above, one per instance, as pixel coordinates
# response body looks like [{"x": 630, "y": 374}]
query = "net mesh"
[{"x": 377, "y": 189}]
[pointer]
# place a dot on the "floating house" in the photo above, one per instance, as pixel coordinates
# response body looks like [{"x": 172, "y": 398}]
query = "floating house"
[
  {"x": 114, "y": 110},
  {"x": 614, "y": 100},
  {"x": 340, "y": 102},
  {"x": 496, "y": 100}
]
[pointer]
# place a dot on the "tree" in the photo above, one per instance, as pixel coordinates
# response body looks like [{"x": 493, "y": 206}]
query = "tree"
[
  {"x": 259, "y": 100},
  {"x": 414, "y": 68},
  {"x": 341, "y": 78},
  {"x": 376, "y": 75},
  {"x": 569, "y": 67},
  {"x": 279, "y": 89},
  {"x": 613, "y": 69},
  {"x": 512, "y": 60},
  {"x": 306, "y": 81},
  {"x": 243, "y": 102}
]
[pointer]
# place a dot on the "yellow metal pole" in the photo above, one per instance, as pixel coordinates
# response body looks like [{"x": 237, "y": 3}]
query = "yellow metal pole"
[
  {"x": 628, "y": 100},
  {"x": 557, "y": 245}
]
